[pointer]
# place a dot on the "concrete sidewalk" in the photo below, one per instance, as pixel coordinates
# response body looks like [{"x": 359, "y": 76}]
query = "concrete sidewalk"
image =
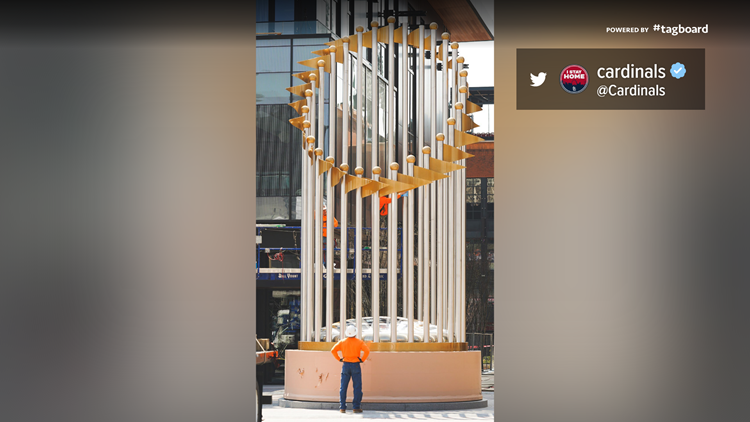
[{"x": 275, "y": 413}]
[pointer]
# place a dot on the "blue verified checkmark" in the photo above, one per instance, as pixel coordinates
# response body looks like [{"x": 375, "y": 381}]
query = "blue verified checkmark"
[{"x": 678, "y": 70}]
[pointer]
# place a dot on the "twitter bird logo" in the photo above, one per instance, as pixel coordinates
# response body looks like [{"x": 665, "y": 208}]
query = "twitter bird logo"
[{"x": 539, "y": 79}]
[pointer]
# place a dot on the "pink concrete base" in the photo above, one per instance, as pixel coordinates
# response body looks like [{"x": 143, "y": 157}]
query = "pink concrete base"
[{"x": 387, "y": 377}]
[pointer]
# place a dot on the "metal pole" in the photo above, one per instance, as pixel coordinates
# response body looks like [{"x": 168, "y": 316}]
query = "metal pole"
[
  {"x": 433, "y": 186},
  {"x": 359, "y": 171},
  {"x": 420, "y": 142},
  {"x": 311, "y": 177},
  {"x": 393, "y": 213},
  {"x": 375, "y": 249},
  {"x": 409, "y": 291},
  {"x": 445, "y": 184},
  {"x": 304, "y": 259},
  {"x": 426, "y": 150},
  {"x": 451, "y": 241},
  {"x": 331, "y": 195},
  {"x": 407, "y": 231},
  {"x": 457, "y": 188},
  {"x": 343, "y": 276},
  {"x": 462, "y": 91},
  {"x": 319, "y": 205}
]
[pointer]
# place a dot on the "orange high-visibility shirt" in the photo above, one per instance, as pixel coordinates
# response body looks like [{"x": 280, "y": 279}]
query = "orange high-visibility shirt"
[
  {"x": 325, "y": 220},
  {"x": 350, "y": 349}
]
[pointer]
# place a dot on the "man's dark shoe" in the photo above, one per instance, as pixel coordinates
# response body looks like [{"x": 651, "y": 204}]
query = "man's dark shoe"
[
  {"x": 357, "y": 410},
  {"x": 342, "y": 410}
]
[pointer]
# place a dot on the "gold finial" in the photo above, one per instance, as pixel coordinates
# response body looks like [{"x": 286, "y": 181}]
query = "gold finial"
[
  {"x": 463, "y": 89},
  {"x": 376, "y": 170},
  {"x": 454, "y": 46},
  {"x": 344, "y": 167},
  {"x": 310, "y": 139},
  {"x": 411, "y": 159},
  {"x": 459, "y": 106},
  {"x": 332, "y": 49},
  {"x": 330, "y": 159},
  {"x": 321, "y": 63},
  {"x": 394, "y": 166},
  {"x": 446, "y": 36},
  {"x": 305, "y": 109},
  {"x": 345, "y": 40},
  {"x": 318, "y": 151},
  {"x": 359, "y": 170},
  {"x": 426, "y": 150},
  {"x": 308, "y": 92},
  {"x": 440, "y": 137},
  {"x": 313, "y": 77},
  {"x": 374, "y": 24},
  {"x": 391, "y": 19},
  {"x": 460, "y": 59},
  {"x": 433, "y": 25},
  {"x": 306, "y": 124},
  {"x": 463, "y": 73},
  {"x": 451, "y": 121},
  {"x": 360, "y": 29}
]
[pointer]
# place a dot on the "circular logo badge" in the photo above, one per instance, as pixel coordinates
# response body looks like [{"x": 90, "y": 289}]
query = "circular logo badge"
[{"x": 574, "y": 79}]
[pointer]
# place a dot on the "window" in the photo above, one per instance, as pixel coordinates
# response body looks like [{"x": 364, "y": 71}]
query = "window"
[
  {"x": 273, "y": 59},
  {"x": 473, "y": 191},
  {"x": 490, "y": 190},
  {"x": 284, "y": 10},
  {"x": 270, "y": 88}
]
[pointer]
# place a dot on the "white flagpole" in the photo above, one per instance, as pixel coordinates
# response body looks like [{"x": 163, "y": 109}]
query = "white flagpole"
[
  {"x": 311, "y": 242},
  {"x": 409, "y": 291},
  {"x": 375, "y": 248},
  {"x": 451, "y": 241},
  {"x": 445, "y": 186},
  {"x": 420, "y": 142},
  {"x": 433, "y": 186},
  {"x": 330, "y": 194},
  {"x": 343, "y": 275},
  {"x": 457, "y": 188},
  {"x": 462, "y": 92},
  {"x": 407, "y": 230},
  {"x": 426, "y": 150},
  {"x": 393, "y": 212},
  {"x": 303, "y": 220},
  {"x": 319, "y": 204},
  {"x": 359, "y": 171}
]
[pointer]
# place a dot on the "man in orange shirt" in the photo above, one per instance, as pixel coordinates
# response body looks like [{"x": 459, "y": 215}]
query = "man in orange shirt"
[{"x": 350, "y": 349}]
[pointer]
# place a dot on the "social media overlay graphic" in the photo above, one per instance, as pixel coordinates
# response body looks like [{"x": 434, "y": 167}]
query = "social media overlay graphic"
[
  {"x": 574, "y": 79},
  {"x": 538, "y": 80},
  {"x": 678, "y": 70},
  {"x": 621, "y": 79}
]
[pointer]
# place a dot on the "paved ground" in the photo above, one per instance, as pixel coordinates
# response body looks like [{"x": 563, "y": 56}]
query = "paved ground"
[{"x": 275, "y": 413}]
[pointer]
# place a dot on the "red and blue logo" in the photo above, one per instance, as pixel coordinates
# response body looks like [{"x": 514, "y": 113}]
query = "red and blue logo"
[{"x": 574, "y": 79}]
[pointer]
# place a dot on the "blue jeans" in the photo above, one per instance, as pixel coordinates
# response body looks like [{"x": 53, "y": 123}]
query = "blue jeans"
[{"x": 351, "y": 370}]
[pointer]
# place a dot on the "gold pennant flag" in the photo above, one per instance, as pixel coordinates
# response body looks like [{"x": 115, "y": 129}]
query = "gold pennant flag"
[
  {"x": 467, "y": 122},
  {"x": 428, "y": 42},
  {"x": 454, "y": 154},
  {"x": 462, "y": 139},
  {"x": 394, "y": 187},
  {"x": 471, "y": 107},
  {"x": 383, "y": 34},
  {"x": 427, "y": 174},
  {"x": 313, "y": 63},
  {"x": 411, "y": 180},
  {"x": 297, "y": 122},
  {"x": 372, "y": 188},
  {"x": 305, "y": 76},
  {"x": 311, "y": 155},
  {"x": 367, "y": 39},
  {"x": 297, "y": 105},
  {"x": 440, "y": 51},
  {"x": 336, "y": 175},
  {"x": 354, "y": 182},
  {"x": 323, "y": 166},
  {"x": 443, "y": 166},
  {"x": 322, "y": 52},
  {"x": 413, "y": 38},
  {"x": 398, "y": 34},
  {"x": 299, "y": 90}
]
